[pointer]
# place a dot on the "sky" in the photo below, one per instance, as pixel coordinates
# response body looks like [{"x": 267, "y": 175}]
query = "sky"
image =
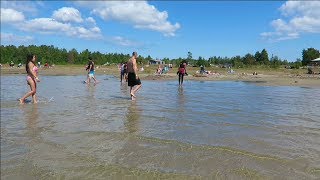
[{"x": 165, "y": 29}]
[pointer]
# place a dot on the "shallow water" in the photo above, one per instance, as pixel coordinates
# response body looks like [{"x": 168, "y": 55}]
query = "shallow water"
[{"x": 228, "y": 130}]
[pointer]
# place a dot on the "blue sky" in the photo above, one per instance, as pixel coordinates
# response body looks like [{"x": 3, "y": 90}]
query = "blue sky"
[{"x": 165, "y": 28}]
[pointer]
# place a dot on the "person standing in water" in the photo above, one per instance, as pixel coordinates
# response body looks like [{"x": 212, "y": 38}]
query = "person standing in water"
[
  {"x": 133, "y": 78},
  {"x": 125, "y": 72},
  {"x": 181, "y": 72},
  {"x": 122, "y": 71},
  {"x": 32, "y": 78},
  {"x": 90, "y": 69}
]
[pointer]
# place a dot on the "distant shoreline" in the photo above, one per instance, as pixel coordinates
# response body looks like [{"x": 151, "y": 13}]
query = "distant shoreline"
[{"x": 264, "y": 77}]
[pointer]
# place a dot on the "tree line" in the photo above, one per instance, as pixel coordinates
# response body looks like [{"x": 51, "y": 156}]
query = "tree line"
[{"x": 54, "y": 55}]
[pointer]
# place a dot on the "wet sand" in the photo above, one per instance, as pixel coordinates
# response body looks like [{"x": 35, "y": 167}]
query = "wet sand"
[{"x": 265, "y": 77}]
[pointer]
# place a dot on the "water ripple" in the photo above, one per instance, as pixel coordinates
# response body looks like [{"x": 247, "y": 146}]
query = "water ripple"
[{"x": 221, "y": 129}]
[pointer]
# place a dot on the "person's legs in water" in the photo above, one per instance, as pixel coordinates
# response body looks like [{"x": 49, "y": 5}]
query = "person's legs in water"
[
  {"x": 88, "y": 79},
  {"x": 93, "y": 77},
  {"x": 34, "y": 97},
  {"x": 133, "y": 81},
  {"x": 121, "y": 76},
  {"x": 32, "y": 85},
  {"x": 180, "y": 78},
  {"x": 133, "y": 92},
  {"x": 138, "y": 86},
  {"x": 95, "y": 80}
]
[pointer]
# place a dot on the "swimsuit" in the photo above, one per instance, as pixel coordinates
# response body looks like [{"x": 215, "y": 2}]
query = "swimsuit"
[
  {"x": 91, "y": 73},
  {"x": 182, "y": 71},
  {"x": 34, "y": 69},
  {"x": 132, "y": 80}
]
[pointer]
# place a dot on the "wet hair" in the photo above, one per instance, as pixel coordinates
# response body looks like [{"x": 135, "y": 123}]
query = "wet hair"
[
  {"x": 89, "y": 63},
  {"x": 29, "y": 59}
]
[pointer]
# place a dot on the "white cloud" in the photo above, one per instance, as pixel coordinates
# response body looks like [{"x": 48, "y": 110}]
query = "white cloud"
[
  {"x": 138, "y": 13},
  {"x": 66, "y": 21},
  {"x": 51, "y": 26},
  {"x": 12, "y": 38},
  {"x": 11, "y": 16},
  {"x": 306, "y": 24},
  {"x": 67, "y": 14},
  {"x": 280, "y": 25},
  {"x": 302, "y": 17},
  {"x": 45, "y": 25},
  {"x": 308, "y": 8},
  {"x": 91, "y": 20},
  {"x": 92, "y": 33},
  {"x": 29, "y": 7},
  {"x": 122, "y": 41}
]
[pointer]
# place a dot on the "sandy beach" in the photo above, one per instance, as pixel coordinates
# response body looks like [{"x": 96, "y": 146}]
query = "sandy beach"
[{"x": 272, "y": 77}]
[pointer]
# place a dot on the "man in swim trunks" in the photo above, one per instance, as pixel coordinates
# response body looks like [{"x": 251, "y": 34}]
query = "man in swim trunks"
[{"x": 133, "y": 78}]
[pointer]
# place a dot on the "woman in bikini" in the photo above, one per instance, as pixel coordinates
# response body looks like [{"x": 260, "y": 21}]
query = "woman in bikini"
[{"x": 32, "y": 79}]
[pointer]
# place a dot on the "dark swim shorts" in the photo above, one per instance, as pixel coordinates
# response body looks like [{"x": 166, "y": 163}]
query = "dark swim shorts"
[{"x": 132, "y": 81}]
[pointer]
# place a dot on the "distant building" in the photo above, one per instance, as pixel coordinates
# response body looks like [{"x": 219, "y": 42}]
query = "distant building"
[
  {"x": 314, "y": 66},
  {"x": 317, "y": 59},
  {"x": 157, "y": 61}
]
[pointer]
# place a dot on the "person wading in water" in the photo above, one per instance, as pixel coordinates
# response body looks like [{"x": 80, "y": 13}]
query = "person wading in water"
[{"x": 133, "y": 78}]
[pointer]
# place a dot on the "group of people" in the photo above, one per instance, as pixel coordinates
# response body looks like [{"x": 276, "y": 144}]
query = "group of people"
[
  {"x": 204, "y": 72},
  {"x": 128, "y": 72},
  {"x": 162, "y": 70},
  {"x": 131, "y": 69}
]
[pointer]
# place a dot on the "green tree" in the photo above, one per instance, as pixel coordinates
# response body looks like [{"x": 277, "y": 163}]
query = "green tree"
[
  {"x": 166, "y": 60},
  {"x": 202, "y": 61},
  {"x": 189, "y": 57},
  {"x": 309, "y": 54},
  {"x": 264, "y": 56},
  {"x": 275, "y": 62},
  {"x": 72, "y": 56},
  {"x": 257, "y": 56},
  {"x": 236, "y": 62},
  {"x": 148, "y": 58},
  {"x": 249, "y": 59},
  {"x": 297, "y": 64},
  {"x": 83, "y": 57}
]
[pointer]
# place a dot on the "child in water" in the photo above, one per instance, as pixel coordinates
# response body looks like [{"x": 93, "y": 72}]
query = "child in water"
[
  {"x": 181, "y": 72},
  {"x": 90, "y": 69}
]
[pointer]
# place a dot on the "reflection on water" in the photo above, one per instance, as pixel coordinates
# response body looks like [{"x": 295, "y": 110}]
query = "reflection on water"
[
  {"x": 219, "y": 130},
  {"x": 180, "y": 95},
  {"x": 32, "y": 116},
  {"x": 133, "y": 115}
]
